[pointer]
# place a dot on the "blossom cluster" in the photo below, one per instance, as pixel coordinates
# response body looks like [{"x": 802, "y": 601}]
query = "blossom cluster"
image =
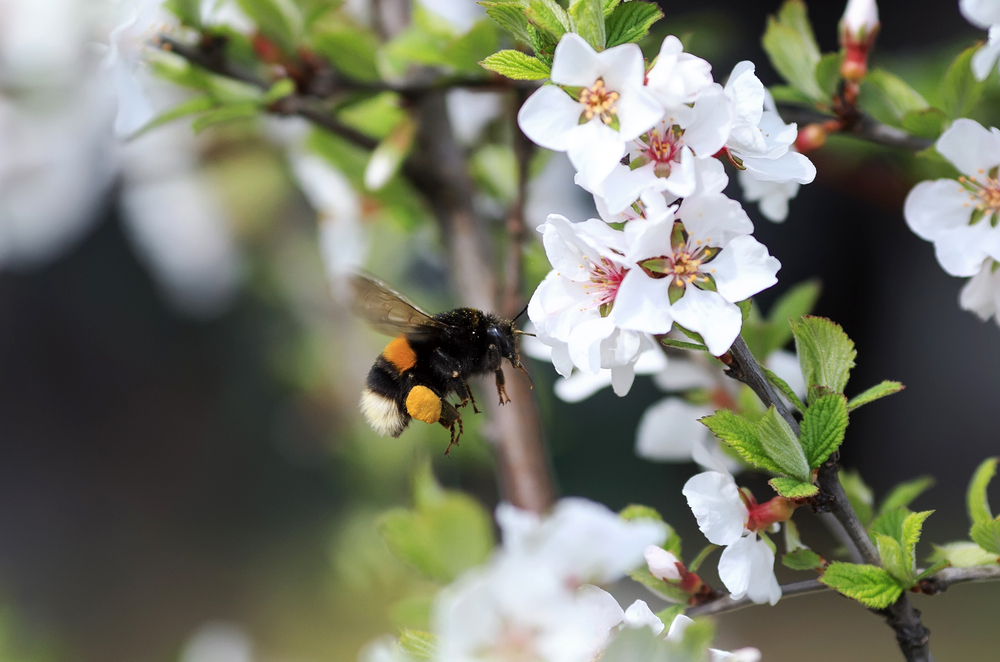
[
  {"x": 537, "y": 599},
  {"x": 670, "y": 246}
]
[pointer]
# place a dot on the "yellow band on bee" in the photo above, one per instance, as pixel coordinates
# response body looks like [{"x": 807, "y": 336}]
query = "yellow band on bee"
[
  {"x": 423, "y": 404},
  {"x": 399, "y": 353}
]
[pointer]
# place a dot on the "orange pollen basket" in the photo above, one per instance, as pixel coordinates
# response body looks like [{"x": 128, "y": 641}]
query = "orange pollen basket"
[{"x": 599, "y": 101}]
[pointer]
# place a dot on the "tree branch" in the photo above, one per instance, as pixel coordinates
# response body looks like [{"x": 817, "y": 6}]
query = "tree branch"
[
  {"x": 941, "y": 581},
  {"x": 517, "y": 231},
  {"x": 860, "y": 126},
  {"x": 726, "y": 603},
  {"x": 901, "y": 616}
]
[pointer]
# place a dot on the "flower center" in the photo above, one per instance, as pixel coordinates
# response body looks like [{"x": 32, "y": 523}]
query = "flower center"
[
  {"x": 984, "y": 194},
  {"x": 686, "y": 266},
  {"x": 661, "y": 148},
  {"x": 516, "y": 644},
  {"x": 605, "y": 278},
  {"x": 598, "y": 101}
]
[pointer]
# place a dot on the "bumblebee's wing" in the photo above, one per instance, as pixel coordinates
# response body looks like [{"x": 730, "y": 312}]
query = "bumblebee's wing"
[{"x": 387, "y": 311}]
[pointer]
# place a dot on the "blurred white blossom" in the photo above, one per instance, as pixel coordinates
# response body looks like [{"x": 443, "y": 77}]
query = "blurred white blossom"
[{"x": 984, "y": 14}]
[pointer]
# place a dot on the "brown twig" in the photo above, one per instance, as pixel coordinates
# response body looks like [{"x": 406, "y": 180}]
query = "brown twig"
[
  {"x": 517, "y": 231},
  {"x": 859, "y": 125},
  {"x": 726, "y": 603},
  {"x": 941, "y": 581},
  {"x": 901, "y": 616}
]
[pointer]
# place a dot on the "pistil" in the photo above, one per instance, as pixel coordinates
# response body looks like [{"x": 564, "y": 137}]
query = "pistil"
[{"x": 599, "y": 101}]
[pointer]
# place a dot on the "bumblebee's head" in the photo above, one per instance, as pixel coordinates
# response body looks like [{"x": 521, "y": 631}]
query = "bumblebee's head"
[{"x": 501, "y": 335}]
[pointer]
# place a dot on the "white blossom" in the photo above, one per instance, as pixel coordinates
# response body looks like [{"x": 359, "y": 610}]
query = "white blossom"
[
  {"x": 613, "y": 105},
  {"x": 569, "y": 308},
  {"x": 958, "y": 216},
  {"x": 682, "y": 622},
  {"x": 662, "y": 564},
  {"x": 860, "y": 19},
  {"x": 981, "y": 295},
  {"x": 747, "y": 564},
  {"x": 771, "y": 197},
  {"x": 984, "y": 14},
  {"x": 677, "y": 77},
  {"x": 759, "y": 138},
  {"x": 706, "y": 263}
]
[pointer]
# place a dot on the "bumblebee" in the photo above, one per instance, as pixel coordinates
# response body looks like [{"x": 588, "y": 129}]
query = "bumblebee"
[{"x": 429, "y": 359}]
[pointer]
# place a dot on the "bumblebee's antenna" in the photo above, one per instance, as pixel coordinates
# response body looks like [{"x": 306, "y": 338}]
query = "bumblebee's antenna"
[{"x": 520, "y": 313}]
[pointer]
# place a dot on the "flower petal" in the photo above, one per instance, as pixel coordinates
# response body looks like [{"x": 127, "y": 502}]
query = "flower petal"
[
  {"x": 970, "y": 147},
  {"x": 594, "y": 150},
  {"x": 669, "y": 429},
  {"x": 934, "y": 207},
  {"x": 575, "y": 62},
  {"x": 639, "y": 615},
  {"x": 638, "y": 111},
  {"x": 987, "y": 56},
  {"x": 548, "y": 116},
  {"x": 790, "y": 167},
  {"x": 744, "y": 268},
  {"x": 642, "y": 303},
  {"x": 981, "y": 295},
  {"x": 708, "y": 313},
  {"x": 715, "y": 501}
]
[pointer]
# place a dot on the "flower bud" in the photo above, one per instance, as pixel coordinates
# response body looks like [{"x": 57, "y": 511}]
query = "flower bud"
[
  {"x": 858, "y": 29},
  {"x": 662, "y": 564},
  {"x": 811, "y": 136},
  {"x": 765, "y": 515}
]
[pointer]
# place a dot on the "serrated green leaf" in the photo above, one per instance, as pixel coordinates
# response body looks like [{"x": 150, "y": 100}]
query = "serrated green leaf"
[
  {"x": 743, "y": 436},
  {"x": 351, "y": 49},
  {"x": 183, "y": 109},
  {"x": 544, "y": 45},
  {"x": 912, "y": 526},
  {"x": 421, "y": 646},
  {"x": 903, "y": 494},
  {"x": 890, "y": 523},
  {"x": 791, "y": 488},
  {"x": 516, "y": 65},
  {"x": 549, "y": 16},
  {"x": 986, "y": 534},
  {"x": 680, "y": 344},
  {"x": 802, "y": 559},
  {"x": 823, "y": 426},
  {"x": 446, "y": 533},
  {"x": 828, "y": 73},
  {"x": 868, "y": 584},
  {"x": 826, "y": 354},
  {"x": 510, "y": 16},
  {"x": 745, "y": 307},
  {"x": 279, "y": 20},
  {"x": 874, "y": 393},
  {"x": 926, "y": 122},
  {"x": 588, "y": 21},
  {"x": 781, "y": 445},
  {"x": 960, "y": 91},
  {"x": 232, "y": 112},
  {"x": 791, "y": 46},
  {"x": 975, "y": 497},
  {"x": 933, "y": 570},
  {"x": 630, "y": 22},
  {"x": 891, "y": 554},
  {"x": 963, "y": 554},
  {"x": 859, "y": 494},
  {"x": 897, "y": 95},
  {"x": 609, "y": 6}
]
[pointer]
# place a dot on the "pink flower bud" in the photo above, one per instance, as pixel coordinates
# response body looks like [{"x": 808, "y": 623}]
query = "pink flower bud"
[{"x": 662, "y": 564}]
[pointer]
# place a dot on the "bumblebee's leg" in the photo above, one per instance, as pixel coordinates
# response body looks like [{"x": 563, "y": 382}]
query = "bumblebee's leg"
[
  {"x": 464, "y": 394},
  {"x": 449, "y": 419},
  {"x": 472, "y": 398},
  {"x": 501, "y": 386}
]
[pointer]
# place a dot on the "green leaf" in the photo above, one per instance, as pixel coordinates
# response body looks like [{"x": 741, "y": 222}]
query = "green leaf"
[
  {"x": 278, "y": 91},
  {"x": 421, "y": 646},
  {"x": 963, "y": 554},
  {"x": 630, "y": 22},
  {"x": 351, "y": 49},
  {"x": 874, "y": 393},
  {"x": 279, "y": 20},
  {"x": 960, "y": 91},
  {"x": 790, "y": 95},
  {"x": 785, "y": 389},
  {"x": 858, "y": 493},
  {"x": 637, "y": 511},
  {"x": 445, "y": 534},
  {"x": 232, "y": 112},
  {"x": 979, "y": 507},
  {"x": 986, "y": 534},
  {"x": 543, "y": 43},
  {"x": 467, "y": 52},
  {"x": 189, "y": 11},
  {"x": 823, "y": 426},
  {"x": 925, "y": 122},
  {"x": 792, "y": 489},
  {"x": 912, "y": 526},
  {"x": 510, "y": 16},
  {"x": 802, "y": 559},
  {"x": 680, "y": 344},
  {"x": 903, "y": 494},
  {"x": 516, "y": 65},
  {"x": 791, "y": 46},
  {"x": 742, "y": 436},
  {"x": 549, "y": 16},
  {"x": 793, "y": 304},
  {"x": 588, "y": 21},
  {"x": 826, "y": 354},
  {"x": 782, "y": 446},
  {"x": 190, "y": 107},
  {"x": 890, "y": 523},
  {"x": 668, "y": 615},
  {"x": 828, "y": 73},
  {"x": 891, "y": 554},
  {"x": 895, "y": 93},
  {"x": 933, "y": 570},
  {"x": 388, "y": 156},
  {"x": 868, "y": 584},
  {"x": 609, "y": 6},
  {"x": 631, "y": 645},
  {"x": 668, "y": 592}
]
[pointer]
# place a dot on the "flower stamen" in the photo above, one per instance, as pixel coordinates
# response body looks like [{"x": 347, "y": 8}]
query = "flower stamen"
[{"x": 598, "y": 101}]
